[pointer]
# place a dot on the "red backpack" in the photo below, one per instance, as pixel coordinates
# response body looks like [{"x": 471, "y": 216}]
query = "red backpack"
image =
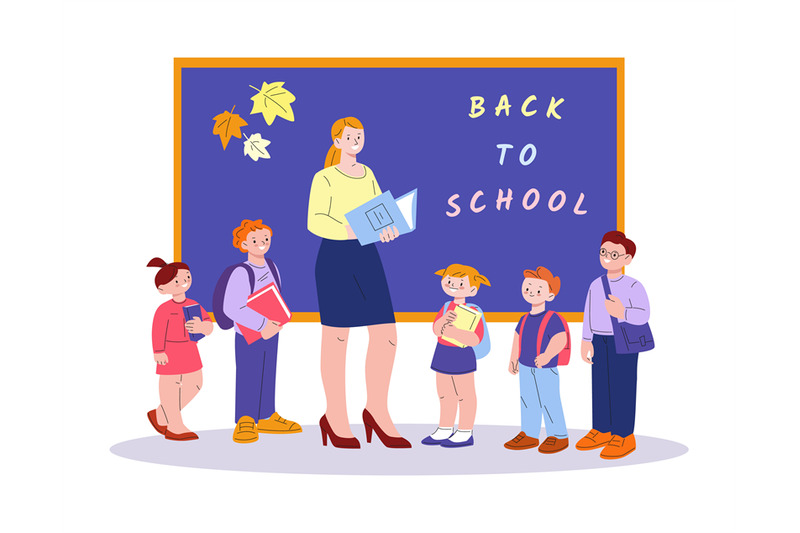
[{"x": 563, "y": 355}]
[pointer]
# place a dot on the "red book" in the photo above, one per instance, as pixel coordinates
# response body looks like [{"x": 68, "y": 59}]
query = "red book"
[{"x": 269, "y": 303}]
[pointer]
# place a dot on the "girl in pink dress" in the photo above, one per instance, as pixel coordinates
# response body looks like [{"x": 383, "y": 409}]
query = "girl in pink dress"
[{"x": 177, "y": 359}]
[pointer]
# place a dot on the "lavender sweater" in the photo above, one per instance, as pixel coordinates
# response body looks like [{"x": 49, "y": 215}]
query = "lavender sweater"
[
  {"x": 237, "y": 292},
  {"x": 631, "y": 293}
]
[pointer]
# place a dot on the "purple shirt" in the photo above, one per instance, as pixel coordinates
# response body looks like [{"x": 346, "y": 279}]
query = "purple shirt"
[
  {"x": 527, "y": 355},
  {"x": 237, "y": 292},
  {"x": 631, "y": 293}
]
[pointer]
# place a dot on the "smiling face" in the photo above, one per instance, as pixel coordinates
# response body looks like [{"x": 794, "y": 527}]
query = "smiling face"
[
  {"x": 458, "y": 287},
  {"x": 536, "y": 291},
  {"x": 351, "y": 141},
  {"x": 179, "y": 285},
  {"x": 258, "y": 242},
  {"x": 613, "y": 256}
]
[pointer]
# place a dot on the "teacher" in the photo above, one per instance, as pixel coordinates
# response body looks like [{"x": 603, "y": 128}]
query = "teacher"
[{"x": 352, "y": 290}]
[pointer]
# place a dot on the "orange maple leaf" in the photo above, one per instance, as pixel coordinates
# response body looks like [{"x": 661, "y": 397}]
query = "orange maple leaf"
[{"x": 227, "y": 125}]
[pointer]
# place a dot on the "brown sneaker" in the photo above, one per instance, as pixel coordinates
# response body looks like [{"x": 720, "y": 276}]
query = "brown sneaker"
[
  {"x": 245, "y": 430},
  {"x": 522, "y": 442},
  {"x": 593, "y": 439},
  {"x": 553, "y": 445},
  {"x": 619, "y": 447}
]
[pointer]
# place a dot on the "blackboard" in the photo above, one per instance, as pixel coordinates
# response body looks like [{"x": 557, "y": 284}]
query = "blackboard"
[{"x": 418, "y": 134}]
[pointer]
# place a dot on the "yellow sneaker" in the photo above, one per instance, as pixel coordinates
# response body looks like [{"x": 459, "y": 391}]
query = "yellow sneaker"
[
  {"x": 245, "y": 430},
  {"x": 276, "y": 424}
]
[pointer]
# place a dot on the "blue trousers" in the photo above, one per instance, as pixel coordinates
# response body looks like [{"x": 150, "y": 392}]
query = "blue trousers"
[
  {"x": 613, "y": 388},
  {"x": 540, "y": 397},
  {"x": 255, "y": 377}
]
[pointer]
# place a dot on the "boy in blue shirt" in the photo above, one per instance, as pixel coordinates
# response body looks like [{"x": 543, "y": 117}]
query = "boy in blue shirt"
[{"x": 538, "y": 373}]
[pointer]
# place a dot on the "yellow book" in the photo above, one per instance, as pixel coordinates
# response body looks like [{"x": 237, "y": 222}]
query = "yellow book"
[{"x": 467, "y": 319}]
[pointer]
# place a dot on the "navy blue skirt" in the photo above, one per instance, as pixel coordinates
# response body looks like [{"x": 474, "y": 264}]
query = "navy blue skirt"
[
  {"x": 453, "y": 360},
  {"x": 351, "y": 285}
]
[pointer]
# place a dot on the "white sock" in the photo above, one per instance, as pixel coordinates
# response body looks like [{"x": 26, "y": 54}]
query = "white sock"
[
  {"x": 462, "y": 435},
  {"x": 442, "y": 433}
]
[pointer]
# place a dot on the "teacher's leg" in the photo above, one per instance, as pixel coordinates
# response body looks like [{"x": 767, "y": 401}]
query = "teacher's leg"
[
  {"x": 332, "y": 364},
  {"x": 380, "y": 360}
]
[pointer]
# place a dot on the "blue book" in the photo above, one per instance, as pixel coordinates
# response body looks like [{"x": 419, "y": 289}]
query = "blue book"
[
  {"x": 189, "y": 312},
  {"x": 370, "y": 219}
]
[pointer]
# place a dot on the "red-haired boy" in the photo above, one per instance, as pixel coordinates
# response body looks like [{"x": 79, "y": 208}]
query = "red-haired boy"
[{"x": 538, "y": 373}]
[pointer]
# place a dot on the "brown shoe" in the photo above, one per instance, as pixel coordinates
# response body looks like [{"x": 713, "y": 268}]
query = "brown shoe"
[
  {"x": 553, "y": 445},
  {"x": 593, "y": 439},
  {"x": 522, "y": 442},
  {"x": 619, "y": 447},
  {"x": 189, "y": 435},
  {"x": 151, "y": 416},
  {"x": 245, "y": 430}
]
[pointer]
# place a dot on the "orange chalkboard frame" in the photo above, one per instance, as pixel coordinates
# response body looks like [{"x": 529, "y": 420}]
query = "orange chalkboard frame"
[{"x": 461, "y": 62}]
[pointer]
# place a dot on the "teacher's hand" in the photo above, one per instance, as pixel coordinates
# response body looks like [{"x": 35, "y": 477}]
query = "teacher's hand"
[{"x": 389, "y": 234}]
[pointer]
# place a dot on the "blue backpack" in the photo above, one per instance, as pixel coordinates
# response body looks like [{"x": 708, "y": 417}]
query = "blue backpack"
[
  {"x": 483, "y": 347},
  {"x": 218, "y": 301}
]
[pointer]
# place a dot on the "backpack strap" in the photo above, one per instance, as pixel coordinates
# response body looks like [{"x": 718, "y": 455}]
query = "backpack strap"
[
  {"x": 521, "y": 329},
  {"x": 606, "y": 286},
  {"x": 251, "y": 275},
  {"x": 540, "y": 334},
  {"x": 274, "y": 271}
]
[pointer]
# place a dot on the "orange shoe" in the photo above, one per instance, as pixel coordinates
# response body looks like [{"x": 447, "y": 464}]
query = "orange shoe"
[
  {"x": 522, "y": 442},
  {"x": 619, "y": 447},
  {"x": 277, "y": 424},
  {"x": 245, "y": 430},
  {"x": 593, "y": 439}
]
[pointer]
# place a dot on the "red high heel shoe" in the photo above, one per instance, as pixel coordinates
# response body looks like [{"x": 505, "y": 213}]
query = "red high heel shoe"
[
  {"x": 336, "y": 440},
  {"x": 389, "y": 442}
]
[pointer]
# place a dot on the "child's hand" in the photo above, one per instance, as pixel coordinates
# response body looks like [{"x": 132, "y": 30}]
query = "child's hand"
[
  {"x": 587, "y": 351},
  {"x": 270, "y": 330},
  {"x": 513, "y": 366},
  {"x": 615, "y": 307},
  {"x": 451, "y": 316},
  {"x": 160, "y": 358},
  {"x": 541, "y": 360},
  {"x": 194, "y": 325}
]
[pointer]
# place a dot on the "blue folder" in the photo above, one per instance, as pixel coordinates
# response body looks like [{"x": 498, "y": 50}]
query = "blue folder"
[{"x": 371, "y": 218}]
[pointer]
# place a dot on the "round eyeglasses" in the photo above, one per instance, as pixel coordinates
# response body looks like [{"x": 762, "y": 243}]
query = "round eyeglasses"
[{"x": 613, "y": 255}]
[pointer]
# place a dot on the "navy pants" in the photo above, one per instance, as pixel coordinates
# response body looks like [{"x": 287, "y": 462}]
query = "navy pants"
[
  {"x": 255, "y": 377},
  {"x": 613, "y": 388}
]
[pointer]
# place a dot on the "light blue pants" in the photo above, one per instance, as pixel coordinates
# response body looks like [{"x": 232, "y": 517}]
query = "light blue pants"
[{"x": 540, "y": 397}]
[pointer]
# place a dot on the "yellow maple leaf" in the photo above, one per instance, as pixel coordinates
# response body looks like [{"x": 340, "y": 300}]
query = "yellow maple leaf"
[
  {"x": 273, "y": 101},
  {"x": 227, "y": 125}
]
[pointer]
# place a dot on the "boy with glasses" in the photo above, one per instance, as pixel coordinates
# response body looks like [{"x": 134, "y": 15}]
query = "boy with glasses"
[{"x": 613, "y": 374}]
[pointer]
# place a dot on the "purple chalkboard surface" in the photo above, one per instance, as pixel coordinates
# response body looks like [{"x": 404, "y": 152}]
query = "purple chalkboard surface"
[{"x": 563, "y": 173}]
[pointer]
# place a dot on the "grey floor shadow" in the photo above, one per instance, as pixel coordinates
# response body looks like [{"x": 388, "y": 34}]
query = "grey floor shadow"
[{"x": 303, "y": 453}]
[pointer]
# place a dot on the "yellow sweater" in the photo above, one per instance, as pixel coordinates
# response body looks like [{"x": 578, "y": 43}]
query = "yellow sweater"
[{"x": 334, "y": 193}]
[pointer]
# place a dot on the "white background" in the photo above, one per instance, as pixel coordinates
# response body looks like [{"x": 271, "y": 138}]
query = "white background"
[{"x": 711, "y": 119}]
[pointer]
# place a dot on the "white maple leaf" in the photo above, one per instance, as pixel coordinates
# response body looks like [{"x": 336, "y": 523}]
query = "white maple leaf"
[{"x": 256, "y": 147}]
